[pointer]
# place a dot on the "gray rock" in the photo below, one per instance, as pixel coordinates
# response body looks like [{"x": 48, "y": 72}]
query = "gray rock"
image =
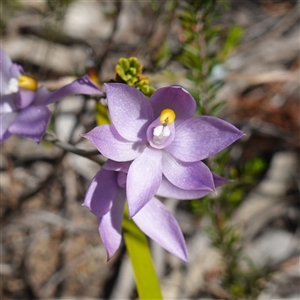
[
  {"x": 90, "y": 20},
  {"x": 64, "y": 124},
  {"x": 273, "y": 247}
]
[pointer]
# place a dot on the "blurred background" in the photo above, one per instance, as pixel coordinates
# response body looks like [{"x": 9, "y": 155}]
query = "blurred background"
[{"x": 240, "y": 60}]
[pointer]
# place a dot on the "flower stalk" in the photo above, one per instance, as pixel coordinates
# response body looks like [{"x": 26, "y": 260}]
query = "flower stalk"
[{"x": 137, "y": 246}]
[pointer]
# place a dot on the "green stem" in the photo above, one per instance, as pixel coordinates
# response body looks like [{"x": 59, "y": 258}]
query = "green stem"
[{"x": 138, "y": 250}]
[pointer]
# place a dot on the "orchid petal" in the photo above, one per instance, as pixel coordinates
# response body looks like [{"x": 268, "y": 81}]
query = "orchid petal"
[
  {"x": 5, "y": 63},
  {"x": 110, "y": 225},
  {"x": 83, "y": 85},
  {"x": 24, "y": 98},
  {"x": 108, "y": 141},
  {"x": 176, "y": 98},
  {"x": 186, "y": 175},
  {"x": 7, "y": 103},
  {"x": 5, "y": 121},
  {"x": 5, "y": 136},
  {"x": 117, "y": 166},
  {"x": 169, "y": 190},
  {"x": 31, "y": 122},
  {"x": 6, "y": 71},
  {"x": 101, "y": 192},
  {"x": 40, "y": 96},
  {"x": 155, "y": 220},
  {"x": 200, "y": 137},
  {"x": 130, "y": 111},
  {"x": 143, "y": 179},
  {"x": 16, "y": 70},
  {"x": 218, "y": 180}
]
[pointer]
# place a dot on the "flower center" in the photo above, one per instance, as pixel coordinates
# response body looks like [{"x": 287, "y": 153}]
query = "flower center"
[
  {"x": 162, "y": 131},
  {"x": 167, "y": 116},
  {"x": 13, "y": 85},
  {"x": 23, "y": 81},
  {"x": 27, "y": 82}
]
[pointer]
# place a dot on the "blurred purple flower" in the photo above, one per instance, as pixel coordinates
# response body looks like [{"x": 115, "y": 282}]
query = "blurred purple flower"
[
  {"x": 105, "y": 198},
  {"x": 23, "y": 106},
  {"x": 162, "y": 137}
]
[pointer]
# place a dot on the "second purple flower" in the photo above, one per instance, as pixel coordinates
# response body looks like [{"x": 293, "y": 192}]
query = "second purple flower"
[{"x": 23, "y": 105}]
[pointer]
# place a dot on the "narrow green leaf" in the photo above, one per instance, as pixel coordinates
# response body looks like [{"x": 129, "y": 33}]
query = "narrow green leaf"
[
  {"x": 233, "y": 37},
  {"x": 138, "y": 249}
]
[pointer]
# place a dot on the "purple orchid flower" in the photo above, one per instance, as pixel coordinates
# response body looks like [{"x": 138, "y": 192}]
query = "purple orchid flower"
[
  {"x": 23, "y": 106},
  {"x": 105, "y": 198},
  {"x": 162, "y": 138}
]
